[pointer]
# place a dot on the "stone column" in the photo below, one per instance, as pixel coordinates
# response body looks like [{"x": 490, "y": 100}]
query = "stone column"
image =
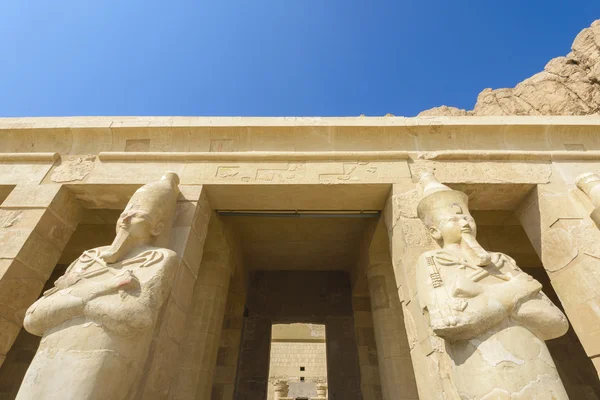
[
  {"x": 281, "y": 389},
  {"x": 187, "y": 238},
  {"x": 370, "y": 382},
  {"x": 229, "y": 347},
  {"x": 205, "y": 319},
  {"x": 556, "y": 218},
  {"x": 395, "y": 365},
  {"x": 408, "y": 239},
  {"x": 36, "y": 222},
  {"x": 253, "y": 367},
  {"x": 343, "y": 371},
  {"x": 322, "y": 390}
]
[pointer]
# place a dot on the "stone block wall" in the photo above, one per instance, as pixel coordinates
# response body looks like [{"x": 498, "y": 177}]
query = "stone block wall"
[
  {"x": 367, "y": 349},
  {"x": 288, "y": 357},
  {"x": 576, "y": 370},
  {"x": 21, "y": 353},
  {"x": 223, "y": 385}
]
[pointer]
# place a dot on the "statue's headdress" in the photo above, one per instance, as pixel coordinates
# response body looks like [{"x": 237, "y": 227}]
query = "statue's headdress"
[
  {"x": 158, "y": 199},
  {"x": 438, "y": 197},
  {"x": 587, "y": 181}
]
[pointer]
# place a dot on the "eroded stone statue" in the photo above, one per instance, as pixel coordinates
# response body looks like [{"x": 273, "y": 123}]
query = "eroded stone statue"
[
  {"x": 97, "y": 322},
  {"x": 493, "y": 316}
]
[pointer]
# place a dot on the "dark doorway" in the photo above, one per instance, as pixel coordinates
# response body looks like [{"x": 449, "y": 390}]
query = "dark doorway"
[{"x": 317, "y": 297}]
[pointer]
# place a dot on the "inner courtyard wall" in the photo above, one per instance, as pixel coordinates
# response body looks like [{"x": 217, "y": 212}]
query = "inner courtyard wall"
[{"x": 298, "y": 355}]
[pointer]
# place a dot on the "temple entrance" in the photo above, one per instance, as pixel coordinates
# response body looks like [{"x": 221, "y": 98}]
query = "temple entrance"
[
  {"x": 318, "y": 298},
  {"x": 301, "y": 246}
]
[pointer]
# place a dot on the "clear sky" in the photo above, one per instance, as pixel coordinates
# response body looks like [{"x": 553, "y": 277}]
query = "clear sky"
[{"x": 272, "y": 58}]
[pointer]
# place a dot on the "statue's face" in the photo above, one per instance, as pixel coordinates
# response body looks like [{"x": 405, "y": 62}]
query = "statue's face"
[
  {"x": 452, "y": 227},
  {"x": 136, "y": 223}
]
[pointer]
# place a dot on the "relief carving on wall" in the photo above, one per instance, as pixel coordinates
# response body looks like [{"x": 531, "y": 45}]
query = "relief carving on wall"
[
  {"x": 493, "y": 317},
  {"x": 97, "y": 321},
  {"x": 73, "y": 169}
]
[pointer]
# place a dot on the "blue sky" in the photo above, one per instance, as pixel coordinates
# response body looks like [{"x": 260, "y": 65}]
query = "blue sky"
[{"x": 272, "y": 58}]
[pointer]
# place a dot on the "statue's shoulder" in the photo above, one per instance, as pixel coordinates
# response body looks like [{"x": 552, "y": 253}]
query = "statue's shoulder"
[
  {"x": 165, "y": 255},
  {"x": 168, "y": 253},
  {"x": 431, "y": 253},
  {"x": 440, "y": 257}
]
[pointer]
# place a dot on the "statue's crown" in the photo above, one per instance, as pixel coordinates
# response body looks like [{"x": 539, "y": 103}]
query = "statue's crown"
[
  {"x": 585, "y": 181},
  {"x": 157, "y": 198},
  {"x": 438, "y": 198}
]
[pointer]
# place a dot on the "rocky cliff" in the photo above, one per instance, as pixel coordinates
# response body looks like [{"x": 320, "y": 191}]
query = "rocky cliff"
[{"x": 568, "y": 85}]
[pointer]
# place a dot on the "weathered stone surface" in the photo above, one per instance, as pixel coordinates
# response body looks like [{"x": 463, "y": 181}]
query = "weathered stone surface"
[
  {"x": 315, "y": 165},
  {"x": 489, "y": 313},
  {"x": 568, "y": 85},
  {"x": 444, "y": 110},
  {"x": 73, "y": 169},
  {"x": 99, "y": 317}
]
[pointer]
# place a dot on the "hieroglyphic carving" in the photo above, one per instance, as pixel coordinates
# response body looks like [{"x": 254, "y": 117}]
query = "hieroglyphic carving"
[
  {"x": 99, "y": 318},
  {"x": 350, "y": 171},
  {"x": 489, "y": 312},
  {"x": 220, "y": 145},
  {"x": 477, "y": 171},
  {"x": 280, "y": 175},
  {"x": 9, "y": 218},
  {"x": 73, "y": 169},
  {"x": 224, "y": 172}
]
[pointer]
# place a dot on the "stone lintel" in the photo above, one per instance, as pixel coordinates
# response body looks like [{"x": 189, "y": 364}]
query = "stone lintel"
[
  {"x": 125, "y": 122},
  {"x": 254, "y": 156}
]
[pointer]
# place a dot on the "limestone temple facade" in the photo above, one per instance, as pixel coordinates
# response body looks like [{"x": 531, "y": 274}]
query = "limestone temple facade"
[{"x": 446, "y": 257}]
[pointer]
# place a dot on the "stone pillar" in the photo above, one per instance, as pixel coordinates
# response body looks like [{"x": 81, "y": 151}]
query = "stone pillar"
[
  {"x": 281, "y": 389},
  {"x": 395, "y": 365},
  {"x": 205, "y": 319},
  {"x": 36, "y": 222},
  {"x": 187, "y": 238},
  {"x": 556, "y": 219},
  {"x": 253, "y": 368},
  {"x": 408, "y": 239},
  {"x": 231, "y": 335},
  {"x": 321, "y": 390},
  {"x": 370, "y": 382},
  {"x": 341, "y": 351}
]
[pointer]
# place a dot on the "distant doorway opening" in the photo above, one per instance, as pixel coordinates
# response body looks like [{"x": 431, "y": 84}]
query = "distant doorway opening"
[{"x": 298, "y": 362}]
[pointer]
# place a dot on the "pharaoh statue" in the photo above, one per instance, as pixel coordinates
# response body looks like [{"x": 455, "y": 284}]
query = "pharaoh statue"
[
  {"x": 493, "y": 317},
  {"x": 97, "y": 321}
]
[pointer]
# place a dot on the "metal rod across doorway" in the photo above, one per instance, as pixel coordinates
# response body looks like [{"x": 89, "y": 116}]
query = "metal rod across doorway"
[{"x": 301, "y": 213}]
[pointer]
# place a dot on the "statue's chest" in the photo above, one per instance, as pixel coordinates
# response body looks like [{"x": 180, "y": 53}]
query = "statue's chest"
[
  {"x": 90, "y": 266},
  {"x": 455, "y": 267}
]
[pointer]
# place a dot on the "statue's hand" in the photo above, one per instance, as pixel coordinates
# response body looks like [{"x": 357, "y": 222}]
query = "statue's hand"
[
  {"x": 126, "y": 280},
  {"x": 446, "y": 325},
  {"x": 67, "y": 280},
  {"x": 525, "y": 286}
]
